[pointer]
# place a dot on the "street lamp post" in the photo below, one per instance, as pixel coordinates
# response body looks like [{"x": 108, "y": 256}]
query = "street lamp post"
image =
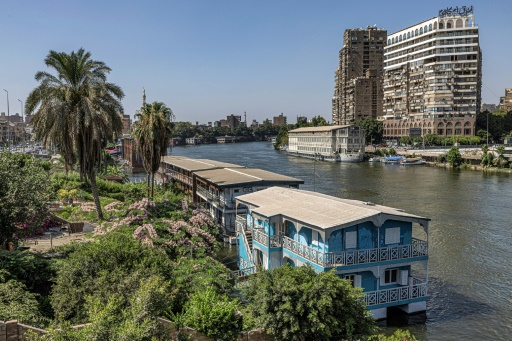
[
  {"x": 22, "y": 126},
  {"x": 8, "y": 122},
  {"x": 487, "y": 130}
]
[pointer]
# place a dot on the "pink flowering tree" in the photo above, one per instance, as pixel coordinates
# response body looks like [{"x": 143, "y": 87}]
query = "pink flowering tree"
[{"x": 187, "y": 231}]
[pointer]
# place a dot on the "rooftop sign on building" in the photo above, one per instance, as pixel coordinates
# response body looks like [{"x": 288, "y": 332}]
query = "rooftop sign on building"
[{"x": 452, "y": 11}]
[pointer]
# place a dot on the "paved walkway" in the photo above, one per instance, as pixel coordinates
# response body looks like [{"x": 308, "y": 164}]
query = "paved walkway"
[{"x": 46, "y": 242}]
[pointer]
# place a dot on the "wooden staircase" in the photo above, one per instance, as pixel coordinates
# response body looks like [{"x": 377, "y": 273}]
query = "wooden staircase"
[{"x": 248, "y": 237}]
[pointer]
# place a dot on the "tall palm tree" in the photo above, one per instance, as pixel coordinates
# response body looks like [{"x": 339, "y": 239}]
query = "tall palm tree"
[
  {"x": 152, "y": 132},
  {"x": 76, "y": 110}
]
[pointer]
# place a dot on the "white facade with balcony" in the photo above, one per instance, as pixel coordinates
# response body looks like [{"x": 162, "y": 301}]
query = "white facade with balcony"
[{"x": 433, "y": 76}]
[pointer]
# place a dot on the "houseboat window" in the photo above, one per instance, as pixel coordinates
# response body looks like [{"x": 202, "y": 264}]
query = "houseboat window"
[
  {"x": 237, "y": 190},
  {"x": 314, "y": 238},
  {"x": 351, "y": 278},
  {"x": 351, "y": 240},
  {"x": 392, "y": 235},
  {"x": 391, "y": 276}
]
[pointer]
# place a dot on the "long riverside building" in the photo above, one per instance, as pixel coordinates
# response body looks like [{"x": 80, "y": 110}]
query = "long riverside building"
[
  {"x": 330, "y": 143},
  {"x": 382, "y": 250},
  {"x": 216, "y": 185},
  {"x": 433, "y": 77}
]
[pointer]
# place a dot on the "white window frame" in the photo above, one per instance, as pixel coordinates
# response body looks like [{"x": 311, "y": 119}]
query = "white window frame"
[
  {"x": 390, "y": 271},
  {"x": 354, "y": 279},
  {"x": 392, "y": 235}
]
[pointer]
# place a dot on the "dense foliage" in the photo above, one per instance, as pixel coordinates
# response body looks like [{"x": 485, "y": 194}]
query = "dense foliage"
[
  {"x": 102, "y": 269},
  {"x": 24, "y": 191},
  {"x": 298, "y": 304},
  {"x": 17, "y": 303},
  {"x": 214, "y": 315},
  {"x": 453, "y": 157},
  {"x": 373, "y": 129},
  {"x": 498, "y": 122}
]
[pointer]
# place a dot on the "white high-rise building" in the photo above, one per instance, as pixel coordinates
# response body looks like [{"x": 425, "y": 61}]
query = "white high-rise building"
[{"x": 433, "y": 77}]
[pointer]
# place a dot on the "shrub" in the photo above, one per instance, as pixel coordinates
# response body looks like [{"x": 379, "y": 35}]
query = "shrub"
[
  {"x": 298, "y": 304},
  {"x": 453, "y": 157},
  {"x": 16, "y": 303},
  {"x": 101, "y": 269},
  {"x": 214, "y": 315}
]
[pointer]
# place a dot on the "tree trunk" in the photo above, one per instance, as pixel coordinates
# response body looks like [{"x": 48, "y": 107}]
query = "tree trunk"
[
  {"x": 149, "y": 187},
  {"x": 152, "y": 185},
  {"x": 96, "y": 195}
]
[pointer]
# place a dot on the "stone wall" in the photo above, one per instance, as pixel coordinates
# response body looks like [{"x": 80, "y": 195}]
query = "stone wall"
[{"x": 15, "y": 331}]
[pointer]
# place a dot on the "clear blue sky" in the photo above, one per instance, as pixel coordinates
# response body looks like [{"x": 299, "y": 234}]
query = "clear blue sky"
[{"x": 210, "y": 58}]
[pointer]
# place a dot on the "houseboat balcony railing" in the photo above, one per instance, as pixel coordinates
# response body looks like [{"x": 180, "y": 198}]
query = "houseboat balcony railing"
[
  {"x": 243, "y": 272},
  {"x": 418, "y": 289},
  {"x": 263, "y": 238},
  {"x": 216, "y": 199},
  {"x": 180, "y": 177},
  {"x": 241, "y": 219},
  {"x": 418, "y": 248},
  {"x": 204, "y": 193},
  {"x": 226, "y": 203},
  {"x": 260, "y": 237}
]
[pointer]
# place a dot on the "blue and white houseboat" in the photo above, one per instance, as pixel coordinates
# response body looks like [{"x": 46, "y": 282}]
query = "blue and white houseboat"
[{"x": 381, "y": 249}]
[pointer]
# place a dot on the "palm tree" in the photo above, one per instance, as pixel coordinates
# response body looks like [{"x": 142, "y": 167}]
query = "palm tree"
[
  {"x": 76, "y": 110},
  {"x": 152, "y": 132}
]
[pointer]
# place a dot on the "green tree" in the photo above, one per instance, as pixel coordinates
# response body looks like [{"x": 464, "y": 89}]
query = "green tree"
[
  {"x": 184, "y": 130},
  {"x": 17, "y": 303},
  {"x": 24, "y": 191},
  {"x": 213, "y": 314},
  {"x": 453, "y": 156},
  {"x": 265, "y": 130},
  {"x": 373, "y": 129},
  {"x": 152, "y": 131},
  {"x": 282, "y": 137},
  {"x": 319, "y": 121},
  {"x": 113, "y": 265},
  {"x": 298, "y": 304},
  {"x": 76, "y": 109},
  {"x": 406, "y": 140}
]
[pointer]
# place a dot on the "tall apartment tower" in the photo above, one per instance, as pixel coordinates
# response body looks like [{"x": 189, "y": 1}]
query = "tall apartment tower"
[
  {"x": 433, "y": 77},
  {"x": 358, "y": 79}
]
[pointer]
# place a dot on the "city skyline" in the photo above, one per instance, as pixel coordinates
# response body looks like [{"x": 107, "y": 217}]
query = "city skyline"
[{"x": 208, "y": 60}]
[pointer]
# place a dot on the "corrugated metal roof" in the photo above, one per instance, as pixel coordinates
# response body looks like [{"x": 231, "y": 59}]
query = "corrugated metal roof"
[
  {"x": 315, "y": 129},
  {"x": 317, "y": 209},
  {"x": 197, "y": 164},
  {"x": 226, "y": 177}
]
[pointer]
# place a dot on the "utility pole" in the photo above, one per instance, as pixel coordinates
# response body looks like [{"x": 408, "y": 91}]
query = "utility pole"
[
  {"x": 22, "y": 126},
  {"x": 8, "y": 122},
  {"x": 487, "y": 130}
]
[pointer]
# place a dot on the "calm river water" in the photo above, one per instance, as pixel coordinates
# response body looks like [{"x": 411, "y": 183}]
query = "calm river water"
[{"x": 470, "y": 266}]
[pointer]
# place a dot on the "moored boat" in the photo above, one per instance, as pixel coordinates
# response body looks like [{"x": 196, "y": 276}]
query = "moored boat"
[
  {"x": 392, "y": 159},
  {"x": 412, "y": 161},
  {"x": 375, "y": 159}
]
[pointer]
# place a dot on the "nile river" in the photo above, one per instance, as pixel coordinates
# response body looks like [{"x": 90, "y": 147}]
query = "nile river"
[{"x": 470, "y": 265}]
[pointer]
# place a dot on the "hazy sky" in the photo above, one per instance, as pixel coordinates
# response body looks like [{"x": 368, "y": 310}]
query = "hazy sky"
[{"x": 207, "y": 59}]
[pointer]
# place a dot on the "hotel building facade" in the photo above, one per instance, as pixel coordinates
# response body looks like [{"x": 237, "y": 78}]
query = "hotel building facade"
[{"x": 433, "y": 76}]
